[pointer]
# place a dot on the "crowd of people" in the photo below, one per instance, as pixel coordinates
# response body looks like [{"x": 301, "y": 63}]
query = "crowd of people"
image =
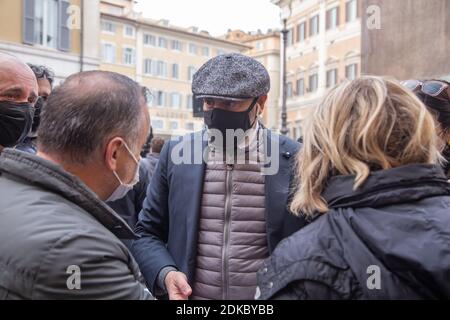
[{"x": 94, "y": 206}]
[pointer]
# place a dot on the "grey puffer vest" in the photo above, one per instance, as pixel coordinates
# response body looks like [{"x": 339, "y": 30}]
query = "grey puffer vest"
[{"x": 232, "y": 242}]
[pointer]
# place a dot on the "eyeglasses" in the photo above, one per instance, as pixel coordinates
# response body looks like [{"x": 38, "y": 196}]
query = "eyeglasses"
[{"x": 432, "y": 88}]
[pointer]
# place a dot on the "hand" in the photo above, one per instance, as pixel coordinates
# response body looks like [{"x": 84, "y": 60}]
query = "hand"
[{"x": 177, "y": 286}]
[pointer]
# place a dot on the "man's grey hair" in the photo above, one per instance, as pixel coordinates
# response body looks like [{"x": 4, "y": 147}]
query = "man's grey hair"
[{"x": 87, "y": 110}]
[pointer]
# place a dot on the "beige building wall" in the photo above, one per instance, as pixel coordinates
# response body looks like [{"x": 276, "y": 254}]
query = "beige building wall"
[
  {"x": 413, "y": 40},
  {"x": 63, "y": 62},
  {"x": 153, "y": 66},
  {"x": 333, "y": 52}
]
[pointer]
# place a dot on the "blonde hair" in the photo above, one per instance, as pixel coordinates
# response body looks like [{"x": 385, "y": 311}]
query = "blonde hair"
[{"x": 368, "y": 124}]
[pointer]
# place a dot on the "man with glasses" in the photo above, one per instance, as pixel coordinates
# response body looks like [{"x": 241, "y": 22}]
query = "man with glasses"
[
  {"x": 207, "y": 227},
  {"x": 45, "y": 78}
]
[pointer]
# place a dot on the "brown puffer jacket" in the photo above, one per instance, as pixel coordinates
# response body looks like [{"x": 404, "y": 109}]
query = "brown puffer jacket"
[{"x": 232, "y": 243}]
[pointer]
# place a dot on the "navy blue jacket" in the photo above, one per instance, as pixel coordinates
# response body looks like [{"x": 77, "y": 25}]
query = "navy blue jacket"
[{"x": 168, "y": 223}]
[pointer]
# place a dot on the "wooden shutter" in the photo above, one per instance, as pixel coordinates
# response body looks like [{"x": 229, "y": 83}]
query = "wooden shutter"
[
  {"x": 63, "y": 29},
  {"x": 28, "y": 21}
]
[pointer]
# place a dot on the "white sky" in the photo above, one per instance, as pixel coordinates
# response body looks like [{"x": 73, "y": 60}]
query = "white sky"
[{"x": 215, "y": 16}]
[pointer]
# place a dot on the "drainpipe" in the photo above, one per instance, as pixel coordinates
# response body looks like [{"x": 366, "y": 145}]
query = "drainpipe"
[{"x": 82, "y": 36}]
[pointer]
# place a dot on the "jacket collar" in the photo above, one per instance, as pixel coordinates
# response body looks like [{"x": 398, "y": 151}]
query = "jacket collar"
[
  {"x": 50, "y": 176},
  {"x": 403, "y": 184}
]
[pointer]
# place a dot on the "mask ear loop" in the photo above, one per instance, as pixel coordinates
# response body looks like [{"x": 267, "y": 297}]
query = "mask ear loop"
[
  {"x": 250, "y": 110},
  {"x": 252, "y": 124}
]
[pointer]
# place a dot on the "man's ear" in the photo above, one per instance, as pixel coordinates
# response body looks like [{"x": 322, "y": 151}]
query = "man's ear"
[
  {"x": 262, "y": 103},
  {"x": 111, "y": 153}
]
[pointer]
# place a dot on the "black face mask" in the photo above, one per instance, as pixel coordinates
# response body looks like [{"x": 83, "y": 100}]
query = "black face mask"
[
  {"x": 15, "y": 122},
  {"x": 222, "y": 120}
]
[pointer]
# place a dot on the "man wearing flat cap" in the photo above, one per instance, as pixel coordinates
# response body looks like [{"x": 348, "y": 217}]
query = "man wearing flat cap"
[{"x": 207, "y": 226}]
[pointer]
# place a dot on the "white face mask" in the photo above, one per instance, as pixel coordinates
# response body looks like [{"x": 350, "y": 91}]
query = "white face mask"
[{"x": 124, "y": 188}]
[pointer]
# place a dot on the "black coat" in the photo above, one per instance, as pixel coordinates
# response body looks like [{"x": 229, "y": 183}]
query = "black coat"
[
  {"x": 396, "y": 226},
  {"x": 168, "y": 223}
]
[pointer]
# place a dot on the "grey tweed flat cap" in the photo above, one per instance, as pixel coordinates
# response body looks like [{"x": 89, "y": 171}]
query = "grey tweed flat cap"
[{"x": 231, "y": 76}]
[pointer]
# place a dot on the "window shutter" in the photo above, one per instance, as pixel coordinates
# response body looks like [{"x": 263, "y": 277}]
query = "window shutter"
[
  {"x": 328, "y": 24},
  {"x": 347, "y": 12},
  {"x": 338, "y": 20},
  {"x": 63, "y": 29},
  {"x": 28, "y": 22}
]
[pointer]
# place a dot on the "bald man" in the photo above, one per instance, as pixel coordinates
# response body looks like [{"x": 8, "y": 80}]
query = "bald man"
[
  {"x": 58, "y": 239},
  {"x": 18, "y": 94}
]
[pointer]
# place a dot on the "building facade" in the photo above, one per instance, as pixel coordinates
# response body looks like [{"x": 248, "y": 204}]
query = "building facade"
[
  {"x": 390, "y": 48},
  {"x": 265, "y": 47},
  {"x": 324, "y": 47},
  {"x": 161, "y": 57},
  {"x": 49, "y": 32}
]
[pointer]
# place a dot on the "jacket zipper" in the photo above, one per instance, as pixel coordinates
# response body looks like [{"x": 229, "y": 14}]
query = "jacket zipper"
[{"x": 226, "y": 231}]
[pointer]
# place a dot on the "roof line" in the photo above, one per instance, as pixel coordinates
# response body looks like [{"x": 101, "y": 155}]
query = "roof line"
[{"x": 176, "y": 29}]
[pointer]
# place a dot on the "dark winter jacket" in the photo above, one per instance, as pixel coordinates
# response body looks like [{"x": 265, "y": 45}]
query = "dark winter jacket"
[
  {"x": 58, "y": 240},
  {"x": 169, "y": 222},
  {"x": 389, "y": 239}
]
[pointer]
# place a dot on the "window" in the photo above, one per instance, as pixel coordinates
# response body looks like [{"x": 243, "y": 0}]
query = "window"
[
  {"x": 300, "y": 87},
  {"x": 149, "y": 40},
  {"x": 150, "y": 66},
  {"x": 192, "y": 48},
  {"x": 314, "y": 25},
  {"x": 331, "y": 78},
  {"x": 160, "y": 98},
  {"x": 129, "y": 31},
  {"x": 259, "y": 45},
  {"x": 44, "y": 23},
  {"x": 157, "y": 124},
  {"x": 205, "y": 51},
  {"x": 351, "y": 11},
  {"x": 161, "y": 69},
  {"x": 150, "y": 97},
  {"x": 176, "y": 45},
  {"x": 333, "y": 18},
  {"x": 301, "y": 32},
  {"x": 108, "y": 27},
  {"x": 173, "y": 125},
  {"x": 129, "y": 56},
  {"x": 351, "y": 71},
  {"x": 190, "y": 102},
  {"x": 313, "y": 82},
  {"x": 290, "y": 37},
  {"x": 289, "y": 90},
  {"x": 175, "y": 71},
  {"x": 175, "y": 100},
  {"x": 162, "y": 42},
  {"x": 190, "y": 126},
  {"x": 109, "y": 53},
  {"x": 191, "y": 72}
]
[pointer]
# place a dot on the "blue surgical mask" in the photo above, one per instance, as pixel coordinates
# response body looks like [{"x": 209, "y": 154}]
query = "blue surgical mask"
[{"x": 123, "y": 188}]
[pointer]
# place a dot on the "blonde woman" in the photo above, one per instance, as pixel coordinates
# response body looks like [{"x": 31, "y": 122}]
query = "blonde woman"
[{"x": 371, "y": 183}]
